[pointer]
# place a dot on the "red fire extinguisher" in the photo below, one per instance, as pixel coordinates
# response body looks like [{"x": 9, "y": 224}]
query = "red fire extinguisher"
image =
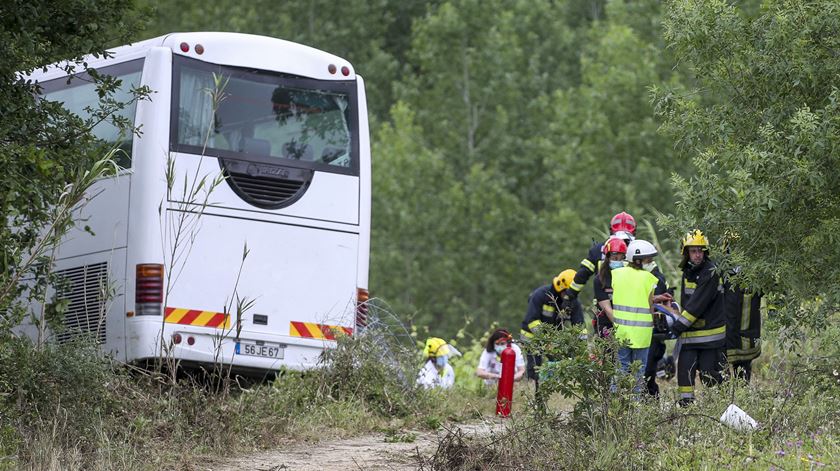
[{"x": 504, "y": 398}]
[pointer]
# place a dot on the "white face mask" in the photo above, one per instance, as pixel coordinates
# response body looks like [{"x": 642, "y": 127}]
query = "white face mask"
[{"x": 649, "y": 266}]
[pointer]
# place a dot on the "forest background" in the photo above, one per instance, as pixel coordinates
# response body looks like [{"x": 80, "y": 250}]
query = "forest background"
[{"x": 505, "y": 134}]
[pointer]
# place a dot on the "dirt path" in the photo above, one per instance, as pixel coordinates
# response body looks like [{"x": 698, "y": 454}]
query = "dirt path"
[{"x": 369, "y": 452}]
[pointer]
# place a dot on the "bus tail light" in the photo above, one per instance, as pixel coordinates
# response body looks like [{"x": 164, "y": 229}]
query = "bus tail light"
[
  {"x": 362, "y": 297},
  {"x": 148, "y": 292}
]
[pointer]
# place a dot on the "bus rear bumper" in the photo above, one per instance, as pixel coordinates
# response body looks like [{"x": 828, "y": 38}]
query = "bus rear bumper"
[{"x": 252, "y": 352}]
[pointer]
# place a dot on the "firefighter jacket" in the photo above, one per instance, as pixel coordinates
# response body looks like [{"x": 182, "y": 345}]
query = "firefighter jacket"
[
  {"x": 743, "y": 323},
  {"x": 588, "y": 267},
  {"x": 702, "y": 323},
  {"x": 544, "y": 308},
  {"x": 633, "y": 319},
  {"x": 689, "y": 283}
]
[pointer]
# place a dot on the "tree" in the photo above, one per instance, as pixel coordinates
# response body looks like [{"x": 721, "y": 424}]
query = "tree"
[
  {"x": 445, "y": 248},
  {"x": 605, "y": 126},
  {"x": 766, "y": 148},
  {"x": 372, "y": 35},
  {"x": 43, "y": 147}
]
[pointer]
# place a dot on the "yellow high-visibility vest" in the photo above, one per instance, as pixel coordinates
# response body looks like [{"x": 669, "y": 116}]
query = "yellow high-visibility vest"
[{"x": 631, "y": 308}]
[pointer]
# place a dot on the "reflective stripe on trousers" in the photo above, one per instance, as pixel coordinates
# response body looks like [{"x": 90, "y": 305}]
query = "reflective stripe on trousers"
[{"x": 686, "y": 392}]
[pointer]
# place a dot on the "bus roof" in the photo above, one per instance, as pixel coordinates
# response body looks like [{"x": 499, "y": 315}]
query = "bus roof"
[{"x": 233, "y": 49}]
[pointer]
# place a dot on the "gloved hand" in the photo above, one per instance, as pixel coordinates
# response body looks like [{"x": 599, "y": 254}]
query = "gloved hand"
[
  {"x": 660, "y": 324},
  {"x": 568, "y": 302}
]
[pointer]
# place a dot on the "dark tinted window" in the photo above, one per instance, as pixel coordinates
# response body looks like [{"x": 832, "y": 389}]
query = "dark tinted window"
[
  {"x": 259, "y": 116},
  {"x": 78, "y": 95}
]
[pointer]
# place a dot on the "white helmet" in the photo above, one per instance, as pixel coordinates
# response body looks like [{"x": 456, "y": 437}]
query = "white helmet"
[
  {"x": 625, "y": 236},
  {"x": 639, "y": 249}
]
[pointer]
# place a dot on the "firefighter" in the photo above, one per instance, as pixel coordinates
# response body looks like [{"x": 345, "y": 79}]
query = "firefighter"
[
  {"x": 614, "y": 251},
  {"x": 436, "y": 371},
  {"x": 701, "y": 326},
  {"x": 743, "y": 326},
  {"x": 621, "y": 224},
  {"x": 544, "y": 308},
  {"x": 632, "y": 306}
]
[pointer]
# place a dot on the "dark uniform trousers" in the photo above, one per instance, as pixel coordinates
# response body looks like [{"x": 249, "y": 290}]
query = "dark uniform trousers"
[{"x": 708, "y": 361}]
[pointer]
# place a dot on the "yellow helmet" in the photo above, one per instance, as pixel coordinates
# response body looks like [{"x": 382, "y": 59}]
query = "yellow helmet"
[
  {"x": 695, "y": 238},
  {"x": 564, "y": 279},
  {"x": 435, "y": 347}
]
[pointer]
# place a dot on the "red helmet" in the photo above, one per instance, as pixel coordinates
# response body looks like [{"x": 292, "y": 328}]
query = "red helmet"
[
  {"x": 614, "y": 245},
  {"x": 623, "y": 222}
]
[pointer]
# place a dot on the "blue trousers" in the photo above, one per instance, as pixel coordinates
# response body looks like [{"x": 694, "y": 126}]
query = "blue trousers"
[{"x": 626, "y": 356}]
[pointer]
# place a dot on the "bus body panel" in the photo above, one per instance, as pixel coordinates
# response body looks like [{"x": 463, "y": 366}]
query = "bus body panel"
[
  {"x": 103, "y": 221},
  {"x": 331, "y": 197},
  {"x": 246, "y": 50},
  {"x": 89, "y": 277},
  {"x": 290, "y": 271},
  {"x": 148, "y": 195},
  {"x": 365, "y": 180},
  {"x": 312, "y": 282},
  {"x": 106, "y": 217}
]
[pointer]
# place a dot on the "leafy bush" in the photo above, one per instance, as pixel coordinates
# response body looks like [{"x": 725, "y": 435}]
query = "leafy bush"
[
  {"x": 795, "y": 401},
  {"x": 69, "y": 407},
  {"x": 370, "y": 369},
  {"x": 69, "y": 383}
]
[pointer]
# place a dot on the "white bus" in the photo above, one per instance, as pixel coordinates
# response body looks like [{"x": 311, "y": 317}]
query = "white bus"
[{"x": 286, "y": 126}]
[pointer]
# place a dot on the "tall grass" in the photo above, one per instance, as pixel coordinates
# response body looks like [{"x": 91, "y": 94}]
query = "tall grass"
[
  {"x": 795, "y": 398},
  {"x": 69, "y": 407}
]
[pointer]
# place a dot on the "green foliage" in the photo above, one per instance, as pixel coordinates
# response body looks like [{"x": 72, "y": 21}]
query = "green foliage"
[
  {"x": 586, "y": 371},
  {"x": 44, "y": 386},
  {"x": 373, "y": 35},
  {"x": 46, "y": 151},
  {"x": 378, "y": 375},
  {"x": 69, "y": 407},
  {"x": 765, "y": 149},
  {"x": 533, "y": 132},
  {"x": 793, "y": 402}
]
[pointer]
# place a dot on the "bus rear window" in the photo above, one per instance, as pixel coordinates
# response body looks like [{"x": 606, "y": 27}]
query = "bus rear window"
[{"x": 253, "y": 115}]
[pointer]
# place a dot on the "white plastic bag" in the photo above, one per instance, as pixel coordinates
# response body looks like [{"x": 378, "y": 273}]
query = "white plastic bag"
[{"x": 736, "y": 418}]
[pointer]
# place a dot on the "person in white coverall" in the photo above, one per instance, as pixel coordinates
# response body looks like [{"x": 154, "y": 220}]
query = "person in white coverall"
[{"x": 436, "y": 371}]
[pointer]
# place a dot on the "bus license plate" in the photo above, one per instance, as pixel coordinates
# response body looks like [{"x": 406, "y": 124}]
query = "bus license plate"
[{"x": 267, "y": 350}]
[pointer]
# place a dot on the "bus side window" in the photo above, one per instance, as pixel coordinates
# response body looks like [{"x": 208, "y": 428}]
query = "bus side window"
[{"x": 79, "y": 96}]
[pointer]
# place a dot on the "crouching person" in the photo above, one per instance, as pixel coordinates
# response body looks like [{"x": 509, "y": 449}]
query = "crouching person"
[{"x": 436, "y": 371}]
